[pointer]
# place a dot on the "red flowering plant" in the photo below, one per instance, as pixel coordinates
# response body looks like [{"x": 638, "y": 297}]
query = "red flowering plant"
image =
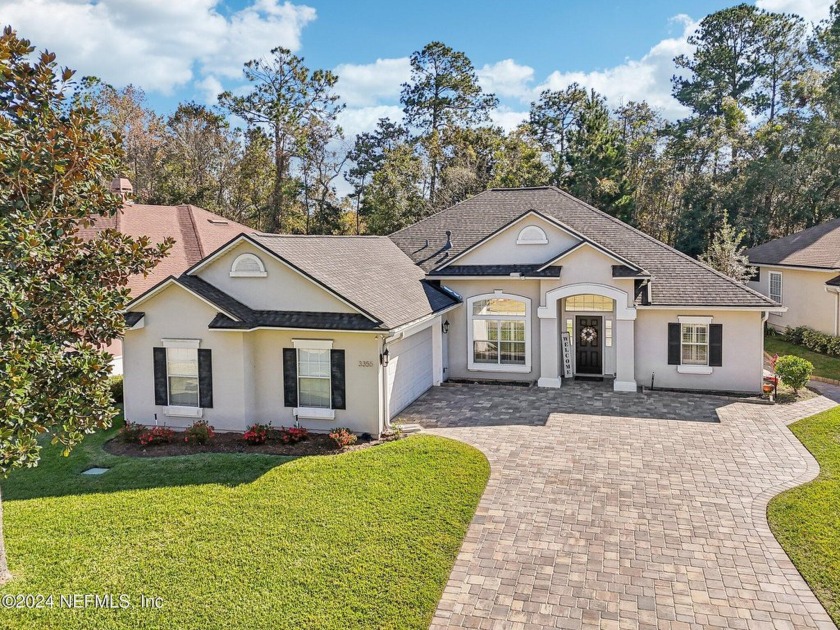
[
  {"x": 156, "y": 435},
  {"x": 256, "y": 434},
  {"x": 292, "y": 435},
  {"x": 131, "y": 432},
  {"x": 342, "y": 436},
  {"x": 200, "y": 432}
]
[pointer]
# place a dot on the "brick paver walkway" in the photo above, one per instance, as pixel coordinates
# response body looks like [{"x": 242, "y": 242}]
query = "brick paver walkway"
[{"x": 594, "y": 521}]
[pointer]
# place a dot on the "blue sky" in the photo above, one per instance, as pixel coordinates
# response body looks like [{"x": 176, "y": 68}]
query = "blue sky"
[{"x": 191, "y": 49}]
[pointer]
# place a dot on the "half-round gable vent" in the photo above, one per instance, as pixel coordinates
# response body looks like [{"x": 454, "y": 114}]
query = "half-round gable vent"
[
  {"x": 247, "y": 266},
  {"x": 531, "y": 235}
]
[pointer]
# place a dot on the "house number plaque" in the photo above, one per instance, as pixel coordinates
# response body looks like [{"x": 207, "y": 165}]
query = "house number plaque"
[{"x": 365, "y": 363}]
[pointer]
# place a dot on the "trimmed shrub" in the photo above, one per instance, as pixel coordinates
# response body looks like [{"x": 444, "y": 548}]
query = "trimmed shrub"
[
  {"x": 256, "y": 434},
  {"x": 199, "y": 433},
  {"x": 116, "y": 385},
  {"x": 342, "y": 436},
  {"x": 292, "y": 435},
  {"x": 794, "y": 371},
  {"x": 156, "y": 435},
  {"x": 131, "y": 432},
  {"x": 814, "y": 340}
]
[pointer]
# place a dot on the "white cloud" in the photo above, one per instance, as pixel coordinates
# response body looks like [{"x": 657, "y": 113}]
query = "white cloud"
[
  {"x": 507, "y": 79},
  {"x": 355, "y": 120},
  {"x": 368, "y": 84},
  {"x": 811, "y": 10},
  {"x": 648, "y": 78},
  {"x": 157, "y": 44},
  {"x": 210, "y": 87},
  {"x": 507, "y": 119}
]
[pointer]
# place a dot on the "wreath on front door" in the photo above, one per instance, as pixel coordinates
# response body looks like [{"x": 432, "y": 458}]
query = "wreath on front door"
[{"x": 588, "y": 335}]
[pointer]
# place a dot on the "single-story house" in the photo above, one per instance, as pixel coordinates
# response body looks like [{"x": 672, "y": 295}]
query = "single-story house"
[
  {"x": 196, "y": 232},
  {"x": 513, "y": 284},
  {"x": 802, "y": 272}
]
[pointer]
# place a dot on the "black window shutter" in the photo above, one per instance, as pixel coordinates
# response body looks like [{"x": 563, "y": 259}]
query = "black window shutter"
[
  {"x": 290, "y": 389},
  {"x": 674, "y": 346},
  {"x": 205, "y": 378},
  {"x": 161, "y": 388},
  {"x": 715, "y": 345},
  {"x": 337, "y": 378}
]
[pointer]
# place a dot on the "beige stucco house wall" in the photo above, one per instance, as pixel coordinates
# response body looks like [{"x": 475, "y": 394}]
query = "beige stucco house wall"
[{"x": 805, "y": 296}]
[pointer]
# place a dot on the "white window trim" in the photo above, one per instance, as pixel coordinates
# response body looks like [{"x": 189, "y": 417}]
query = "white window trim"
[
  {"x": 261, "y": 273},
  {"x": 770, "y": 275},
  {"x": 694, "y": 368},
  {"x": 179, "y": 411},
  {"x": 313, "y": 344},
  {"x": 313, "y": 413},
  {"x": 498, "y": 367},
  {"x": 181, "y": 343},
  {"x": 183, "y": 412},
  {"x": 524, "y": 240}
]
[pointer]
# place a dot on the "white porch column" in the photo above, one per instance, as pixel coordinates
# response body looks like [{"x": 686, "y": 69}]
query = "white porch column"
[
  {"x": 625, "y": 345},
  {"x": 437, "y": 351},
  {"x": 549, "y": 348}
]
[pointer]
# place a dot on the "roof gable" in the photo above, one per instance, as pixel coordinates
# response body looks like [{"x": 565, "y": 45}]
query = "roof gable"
[{"x": 677, "y": 279}]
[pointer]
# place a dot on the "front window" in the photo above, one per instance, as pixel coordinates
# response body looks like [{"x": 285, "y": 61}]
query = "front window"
[
  {"x": 182, "y": 372},
  {"x": 776, "y": 286},
  {"x": 499, "y": 332},
  {"x": 314, "y": 378},
  {"x": 589, "y": 303},
  {"x": 695, "y": 344}
]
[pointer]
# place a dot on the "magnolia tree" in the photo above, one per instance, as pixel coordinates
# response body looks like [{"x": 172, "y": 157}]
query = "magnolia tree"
[{"x": 61, "y": 297}]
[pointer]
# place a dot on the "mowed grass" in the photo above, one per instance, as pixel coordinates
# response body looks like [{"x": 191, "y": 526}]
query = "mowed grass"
[
  {"x": 806, "y": 520},
  {"x": 824, "y": 365},
  {"x": 364, "y": 539}
]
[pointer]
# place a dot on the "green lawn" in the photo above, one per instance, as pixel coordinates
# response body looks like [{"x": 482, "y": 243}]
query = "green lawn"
[
  {"x": 364, "y": 539},
  {"x": 806, "y": 520},
  {"x": 825, "y": 366}
]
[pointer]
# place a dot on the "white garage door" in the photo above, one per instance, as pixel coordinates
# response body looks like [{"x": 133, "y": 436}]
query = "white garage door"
[{"x": 409, "y": 369}]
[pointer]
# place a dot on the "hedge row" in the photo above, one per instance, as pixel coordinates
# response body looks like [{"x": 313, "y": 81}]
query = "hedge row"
[{"x": 814, "y": 340}]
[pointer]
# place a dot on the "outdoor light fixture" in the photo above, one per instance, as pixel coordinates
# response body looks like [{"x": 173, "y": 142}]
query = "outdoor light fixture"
[
  {"x": 384, "y": 357},
  {"x": 445, "y": 326}
]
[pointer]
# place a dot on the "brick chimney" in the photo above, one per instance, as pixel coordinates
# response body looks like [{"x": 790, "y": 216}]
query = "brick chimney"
[{"x": 122, "y": 186}]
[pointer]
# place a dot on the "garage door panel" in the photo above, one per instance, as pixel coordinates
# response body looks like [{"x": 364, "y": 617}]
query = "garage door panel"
[{"x": 410, "y": 371}]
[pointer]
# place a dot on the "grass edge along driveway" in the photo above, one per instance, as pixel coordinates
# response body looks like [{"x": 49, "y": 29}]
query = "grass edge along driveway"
[
  {"x": 806, "y": 519},
  {"x": 824, "y": 365},
  {"x": 363, "y": 539}
]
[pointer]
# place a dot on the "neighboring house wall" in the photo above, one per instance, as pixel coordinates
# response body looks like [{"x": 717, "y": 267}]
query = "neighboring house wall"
[
  {"x": 247, "y": 369},
  {"x": 503, "y": 248},
  {"x": 804, "y": 295},
  {"x": 282, "y": 289},
  {"x": 743, "y": 344}
]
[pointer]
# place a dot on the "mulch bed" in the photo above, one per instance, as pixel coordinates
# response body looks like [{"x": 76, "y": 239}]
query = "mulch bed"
[{"x": 315, "y": 444}]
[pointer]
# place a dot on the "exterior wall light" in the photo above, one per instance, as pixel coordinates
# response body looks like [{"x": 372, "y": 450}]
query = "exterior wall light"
[
  {"x": 445, "y": 326},
  {"x": 384, "y": 357}
]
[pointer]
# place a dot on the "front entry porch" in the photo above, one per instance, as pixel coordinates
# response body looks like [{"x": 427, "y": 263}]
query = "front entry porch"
[{"x": 587, "y": 329}]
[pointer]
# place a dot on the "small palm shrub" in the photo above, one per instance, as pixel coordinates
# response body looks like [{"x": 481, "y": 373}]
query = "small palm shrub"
[{"x": 794, "y": 371}]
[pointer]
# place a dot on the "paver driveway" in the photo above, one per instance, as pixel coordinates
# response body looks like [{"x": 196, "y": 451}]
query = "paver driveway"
[{"x": 623, "y": 522}]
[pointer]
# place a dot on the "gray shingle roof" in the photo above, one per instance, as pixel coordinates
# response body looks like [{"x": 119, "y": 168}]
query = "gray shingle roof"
[
  {"x": 295, "y": 319},
  {"x": 818, "y": 246},
  {"x": 370, "y": 272},
  {"x": 677, "y": 279},
  {"x": 834, "y": 282}
]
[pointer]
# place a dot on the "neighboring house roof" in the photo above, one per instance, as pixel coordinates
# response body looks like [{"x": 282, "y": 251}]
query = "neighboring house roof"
[
  {"x": 818, "y": 246},
  {"x": 677, "y": 279},
  {"x": 196, "y": 231},
  {"x": 834, "y": 282}
]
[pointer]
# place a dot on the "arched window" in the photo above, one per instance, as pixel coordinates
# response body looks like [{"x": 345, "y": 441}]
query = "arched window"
[
  {"x": 499, "y": 331},
  {"x": 531, "y": 235},
  {"x": 247, "y": 266},
  {"x": 589, "y": 303}
]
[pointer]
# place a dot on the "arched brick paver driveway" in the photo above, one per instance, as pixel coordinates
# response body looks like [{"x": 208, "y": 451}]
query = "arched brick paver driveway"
[{"x": 603, "y": 521}]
